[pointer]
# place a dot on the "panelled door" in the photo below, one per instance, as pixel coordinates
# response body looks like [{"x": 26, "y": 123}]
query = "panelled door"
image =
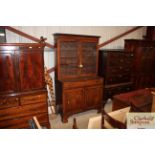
[
  {"x": 8, "y": 84},
  {"x": 73, "y": 100},
  {"x": 31, "y": 69},
  {"x": 94, "y": 95}
]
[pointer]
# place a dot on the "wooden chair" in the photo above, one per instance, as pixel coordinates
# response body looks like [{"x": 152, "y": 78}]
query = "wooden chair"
[
  {"x": 114, "y": 123},
  {"x": 114, "y": 119},
  {"x": 74, "y": 124},
  {"x": 34, "y": 123}
]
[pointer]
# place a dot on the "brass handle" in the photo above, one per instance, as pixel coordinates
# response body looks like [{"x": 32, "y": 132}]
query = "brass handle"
[
  {"x": 16, "y": 99},
  {"x": 80, "y": 66},
  {"x": 68, "y": 102}
]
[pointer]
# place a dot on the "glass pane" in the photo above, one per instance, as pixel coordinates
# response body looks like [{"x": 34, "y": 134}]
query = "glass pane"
[
  {"x": 89, "y": 58},
  {"x": 69, "y": 58}
]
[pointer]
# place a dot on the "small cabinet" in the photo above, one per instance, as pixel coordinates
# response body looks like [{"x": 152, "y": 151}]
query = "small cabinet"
[{"x": 81, "y": 97}]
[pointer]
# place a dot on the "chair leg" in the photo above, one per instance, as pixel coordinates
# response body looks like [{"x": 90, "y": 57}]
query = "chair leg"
[{"x": 74, "y": 124}]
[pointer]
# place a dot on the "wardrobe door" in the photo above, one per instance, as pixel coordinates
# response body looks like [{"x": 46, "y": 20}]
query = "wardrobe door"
[
  {"x": 7, "y": 72},
  {"x": 31, "y": 66}
]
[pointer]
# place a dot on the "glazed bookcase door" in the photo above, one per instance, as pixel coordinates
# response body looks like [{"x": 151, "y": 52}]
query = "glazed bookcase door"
[
  {"x": 88, "y": 59},
  {"x": 7, "y": 72},
  {"x": 69, "y": 59},
  {"x": 31, "y": 70}
]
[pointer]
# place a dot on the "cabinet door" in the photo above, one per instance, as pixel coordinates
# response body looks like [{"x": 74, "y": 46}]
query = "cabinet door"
[
  {"x": 31, "y": 69},
  {"x": 69, "y": 59},
  {"x": 94, "y": 96},
  {"x": 88, "y": 59},
  {"x": 7, "y": 72},
  {"x": 73, "y": 100}
]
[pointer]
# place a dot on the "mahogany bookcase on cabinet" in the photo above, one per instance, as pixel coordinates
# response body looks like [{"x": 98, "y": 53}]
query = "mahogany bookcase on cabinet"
[
  {"x": 23, "y": 92},
  {"x": 78, "y": 88}
]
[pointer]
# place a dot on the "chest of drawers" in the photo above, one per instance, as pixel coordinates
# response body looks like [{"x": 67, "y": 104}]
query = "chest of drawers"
[{"x": 116, "y": 67}]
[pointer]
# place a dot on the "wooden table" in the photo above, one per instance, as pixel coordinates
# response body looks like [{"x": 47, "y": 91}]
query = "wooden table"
[
  {"x": 141, "y": 99},
  {"x": 153, "y": 102}
]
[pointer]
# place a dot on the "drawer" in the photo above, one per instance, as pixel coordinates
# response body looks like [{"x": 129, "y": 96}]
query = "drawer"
[
  {"x": 82, "y": 83},
  {"x": 129, "y": 55},
  {"x": 33, "y": 99},
  {"x": 9, "y": 102},
  {"x": 119, "y": 62},
  {"x": 23, "y": 111},
  {"x": 118, "y": 70},
  {"x": 110, "y": 92},
  {"x": 120, "y": 78},
  {"x": 32, "y": 48},
  {"x": 23, "y": 122}
]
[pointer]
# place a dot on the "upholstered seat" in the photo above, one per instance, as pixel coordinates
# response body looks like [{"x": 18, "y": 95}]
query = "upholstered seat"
[{"x": 118, "y": 115}]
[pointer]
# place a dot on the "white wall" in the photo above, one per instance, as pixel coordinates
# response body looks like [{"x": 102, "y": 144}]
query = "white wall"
[{"x": 106, "y": 32}]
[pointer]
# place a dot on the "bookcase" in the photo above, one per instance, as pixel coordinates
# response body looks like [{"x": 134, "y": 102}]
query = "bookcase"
[{"x": 78, "y": 88}]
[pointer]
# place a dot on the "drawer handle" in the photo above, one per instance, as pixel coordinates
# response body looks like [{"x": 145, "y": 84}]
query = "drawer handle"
[
  {"x": 68, "y": 102},
  {"x": 39, "y": 96},
  {"x": 80, "y": 66},
  {"x": 17, "y": 99}
]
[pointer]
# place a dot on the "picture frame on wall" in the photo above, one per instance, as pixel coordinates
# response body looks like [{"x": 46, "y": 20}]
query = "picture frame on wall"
[{"x": 2, "y": 35}]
